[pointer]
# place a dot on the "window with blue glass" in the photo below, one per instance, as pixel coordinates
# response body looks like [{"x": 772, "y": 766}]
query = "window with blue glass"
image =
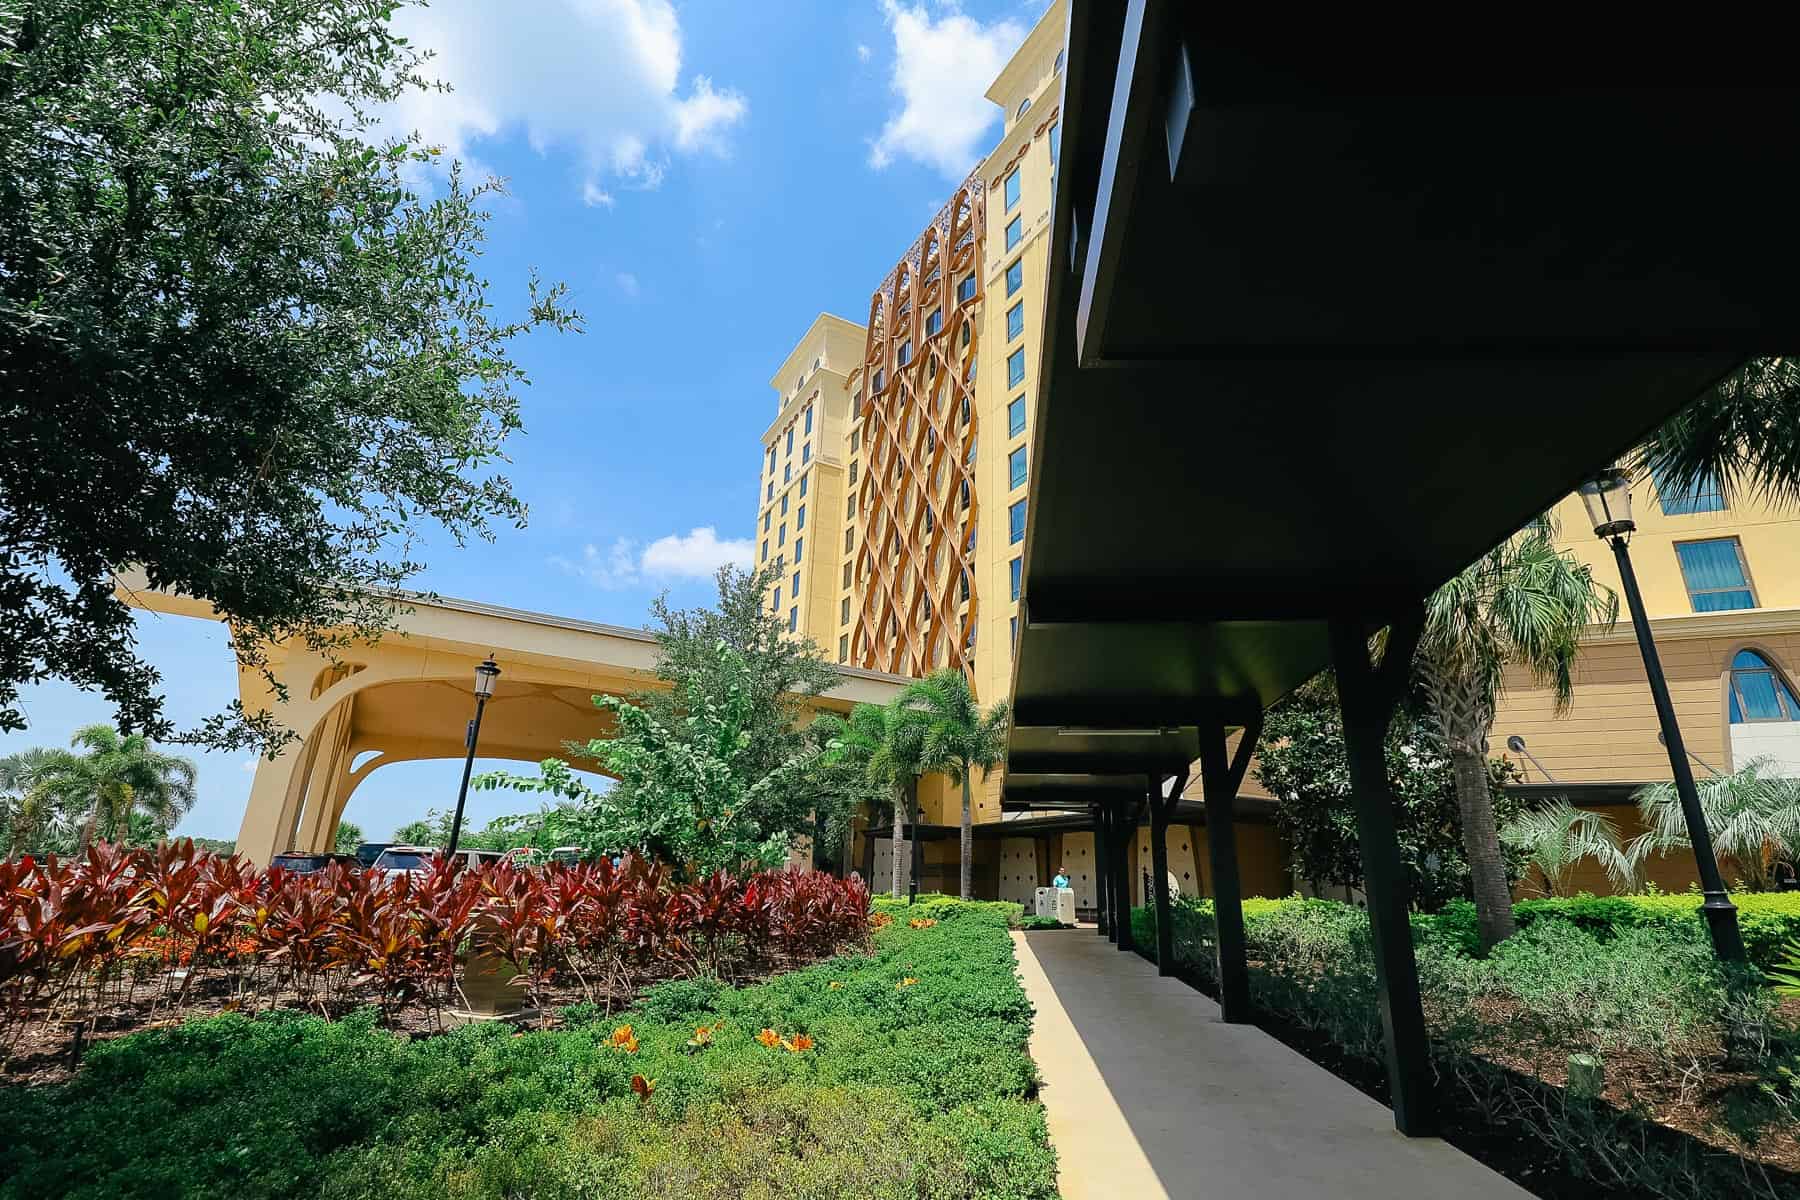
[
  {"x": 803, "y": 480},
  {"x": 1015, "y": 232},
  {"x": 879, "y": 380},
  {"x": 765, "y": 553},
  {"x": 771, "y": 494},
  {"x": 1055, "y": 140},
  {"x": 1015, "y": 276},
  {"x": 1702, "y": 496},
  {"x": 934, "y": 322},
  {"x": 809, "y": 418},
  {"x": 1015, "y": 467},
  {"x": 1715, "y": 576},
  {"x": 765, "y": 522},
  {"x": 793, "y": 620},
  {"x": 1015, "y": 571},
  {"x": 790, "y": 439},
  {"x": 1011, "y": 191},
  {"x": 1015, "y": 417},
  {"x": 781, "y": 536},
  {"x": 1015, "y": 517},
  {"x": 787, "y": 472},
  {"x": 1015, "y": 368},
  {"x": 805, "y": 453},
  {"x": 905, "y": 354},
  {"x": 800, "y": 518},
  {"x": 771, "y": 460},
  {"x": 965, "y": 289},
  {"x": 799, "y": 549},
  {"x": 1015, "y": 320},
  {"x": 784, "y": 501},
  {"x": 1759, "y": 692},
  {"x": 1013, "y": 632}
]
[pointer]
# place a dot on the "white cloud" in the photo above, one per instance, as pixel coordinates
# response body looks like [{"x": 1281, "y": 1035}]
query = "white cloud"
[
  {"x": 862, "y": 52},
  {"x": 248, "y": 766},
  {"x": 628, "y": 283},
  {"x": 695, "y": 555},
  {"x": 600, "y": 79},
  {"x": 942, "y": 68}
]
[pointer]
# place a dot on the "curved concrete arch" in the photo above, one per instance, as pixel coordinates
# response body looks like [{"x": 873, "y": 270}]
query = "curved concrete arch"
[{"x": 415, "y": 693}]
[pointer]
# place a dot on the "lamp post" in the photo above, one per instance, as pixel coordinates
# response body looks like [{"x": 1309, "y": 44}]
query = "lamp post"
[
  {"x": 1608, "y": 500},
  {"x": 485, "y": 675}
]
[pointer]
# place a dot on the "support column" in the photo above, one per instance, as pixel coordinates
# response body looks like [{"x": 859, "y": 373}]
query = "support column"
[
  {"x": 1102, "y": 871},
  {"x": 1368, "y": 695},
  {"x": 1220, "y": 778},
  {"x": 1124, "y": 829},
  {"x": 1161, "y": 808}
]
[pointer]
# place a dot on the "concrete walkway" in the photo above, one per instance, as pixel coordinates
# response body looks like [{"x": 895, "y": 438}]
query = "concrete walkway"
[{"x": 1150, "y": 1095}]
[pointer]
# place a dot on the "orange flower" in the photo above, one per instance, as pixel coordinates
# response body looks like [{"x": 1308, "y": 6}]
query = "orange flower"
[
  {"x": 836, "y": 984},
  {"x": 623, "y": 1039},
  {"x": 702, "y": 1037},
  {"x": 880, "y": 920},
  {"x": 921, "y": 922},
  {"x": 769, "y": 1038},
  {"x": 905, "y": 983},
  {"x": 796, "y": 1044},
  {"x": 643, "y": 1087}
]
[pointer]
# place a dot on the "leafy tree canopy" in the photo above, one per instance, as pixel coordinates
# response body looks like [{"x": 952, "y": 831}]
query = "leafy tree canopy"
[
  {"x": 1301, "y": 760},
  {"x": 237, "y": 349}
]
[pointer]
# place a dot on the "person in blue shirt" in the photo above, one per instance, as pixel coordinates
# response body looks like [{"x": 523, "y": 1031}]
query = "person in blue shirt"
[{"x": 1062, "y": 878}]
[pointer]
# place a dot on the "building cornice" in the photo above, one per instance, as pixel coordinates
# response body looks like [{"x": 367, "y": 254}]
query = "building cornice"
[{"x": 1739, "y": 622}]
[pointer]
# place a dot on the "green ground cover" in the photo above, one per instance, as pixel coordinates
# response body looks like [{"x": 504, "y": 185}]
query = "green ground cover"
[{"x": 907, "y": 1089}]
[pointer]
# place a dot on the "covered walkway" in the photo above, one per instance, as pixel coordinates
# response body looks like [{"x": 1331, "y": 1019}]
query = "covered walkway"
[{"x": 1151, "y": 1095}]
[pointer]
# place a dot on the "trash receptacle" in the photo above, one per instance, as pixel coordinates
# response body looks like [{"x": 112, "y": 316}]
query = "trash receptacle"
[
  {"x": 1064, "y": 904},
  {"x": 1046, "y": 902}
]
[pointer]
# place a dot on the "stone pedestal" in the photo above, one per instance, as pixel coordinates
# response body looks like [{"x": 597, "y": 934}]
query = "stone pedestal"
[{"x": 487, "y": 989}]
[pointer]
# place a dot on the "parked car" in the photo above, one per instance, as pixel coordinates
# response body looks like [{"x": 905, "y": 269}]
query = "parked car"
[
  {"x": 368, "y": 852},
  {"x": 566, "y": 854},
  {"x": 307, "y": 864},
  {"x": 402, "y": 860}
]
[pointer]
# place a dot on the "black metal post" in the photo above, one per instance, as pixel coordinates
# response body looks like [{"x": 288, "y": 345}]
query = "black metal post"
[
  {"x": 462, "y": 793},
  {"x": 1103, "y": 870},
  {"x": 918, "y": 854},
  {"x": 1161, "y": 808},
  {"x": 1368, "y": 696},
  {"x": 1720, "y": 912},
  {"x": 1220, "y": 779},
  {"x": 1125, "y": 829}
]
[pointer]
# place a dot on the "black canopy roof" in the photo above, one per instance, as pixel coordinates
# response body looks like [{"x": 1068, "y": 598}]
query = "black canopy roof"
[{"x": 1330, "y": 313}]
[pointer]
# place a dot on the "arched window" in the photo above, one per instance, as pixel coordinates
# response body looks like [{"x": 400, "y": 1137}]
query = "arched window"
[
  {"x": 1023, "y": 105},
  {"x": 1758, "y": 691}
]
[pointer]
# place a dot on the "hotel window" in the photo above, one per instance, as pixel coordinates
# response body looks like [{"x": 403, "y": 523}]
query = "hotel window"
[
  {"x": 1015, "y": 417},
  {"x": 1013, "y": 632},
  {"x": 1015, "y": 276},
  {"x": 787, "y": 471},
  {"x": 795, "y": 585},
  {"x": 1015, "y": 320},
  {"x": 1015, "y": 368},
  {"x": 846, "y": 574},
  {"x": 852, "y": 474},
  {"x": 850, "y": 508},
  {"x": 1015, "y": 468},
  {"x": 934, "y": 322},
  {"x": 1704, "y": 496},
  {"x": 1015, "y": 571},
  {"x": 775, "y": 604},
  {"x": 967, "y": 326},
  {"x": 803, "y": 480},
  {"x": 793, "y": 620},
  {"x": 855, "y": 439},
  {"x": 799, "y": 549},
  {"x": 1016, "y": 519},
  {"x": 765, "y": 522},
  {"x": 1010, "y": 189},
  {"x": 880, "y": 379},
  {"x": 965, "y": 585},
  {"x": 771, "y": 460},
  {"x": 781, "y": 536},
  {"x": 1758, "y": 691},
  {"x": 784, "y": 501},
  {"x": 1055, "y": 140},
  {"x": 844, "y": 648},
  {"x": 965, "y": 410},
  {"x": 1015, "y": 232},
  {"x": 1715, "y": 574},
  {"x": 790, "y": 439},
  {"x": 849, "y": 538},
  {"x": 1060, "y": 55},
  {"x": 905, "y": 355},
  {"x": 765, "y": 553},
  {"x": 965, "y": 289},
  {"x": 844, "y": 611},
  {"x": 1023, "y": 106},
  {"x": 800, "y": 518},
  {"x": 771, "y": 492},
  {"x": 965, "y": 493},
  {"x": 805, "y": 453},
  {"x": 809, "y": 418}
]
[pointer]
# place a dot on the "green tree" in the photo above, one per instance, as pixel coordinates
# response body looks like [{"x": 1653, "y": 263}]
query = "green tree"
[
  {"x": 109, "y": 779},
  {"x": 1753, "y": 814},
  {"x": 1558, "y": 837},
  {"x": 348, "y": 838},
  {"x": 29, "y": 807},
  {"x": 420, "y": 833},
  {"x": 1301, "y": 760},
  {"x": 237, "y": 349},
  {"x": 886, "y": 742},
  {"x": 1523, "y": 604},
  {"x": 959, "y": 739}
]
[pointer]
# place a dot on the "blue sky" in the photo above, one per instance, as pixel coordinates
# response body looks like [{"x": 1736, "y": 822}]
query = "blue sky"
[{"x": 706, "y": 178}]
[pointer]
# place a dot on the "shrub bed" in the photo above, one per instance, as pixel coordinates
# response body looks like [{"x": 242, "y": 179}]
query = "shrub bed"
[
  {"x": 1701, "y": 1097},
  {"x": 123, "y": 936},
  {"x": 898, "y": 1073}
]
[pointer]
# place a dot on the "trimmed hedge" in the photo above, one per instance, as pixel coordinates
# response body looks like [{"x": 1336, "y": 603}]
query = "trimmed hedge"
[{"x": 910, "y": 1089}]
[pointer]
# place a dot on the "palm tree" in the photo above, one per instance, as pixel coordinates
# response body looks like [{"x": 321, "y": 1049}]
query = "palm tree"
[
  {"x": 886, "y": 741},
  {"x": 1743, "y": 435},
  {"x": 28, "y": 802},
  {"x": 119, "y": 775},
  {"x": 1558, "y": 836},
  {"x": 1522, "y": 604},
  {"x": 959, "y": 739},
  {"x": 1753, "y": 813}
]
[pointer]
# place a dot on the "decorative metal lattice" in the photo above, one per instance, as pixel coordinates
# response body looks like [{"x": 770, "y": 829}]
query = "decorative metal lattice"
[{"x": 916, "y": 506}]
